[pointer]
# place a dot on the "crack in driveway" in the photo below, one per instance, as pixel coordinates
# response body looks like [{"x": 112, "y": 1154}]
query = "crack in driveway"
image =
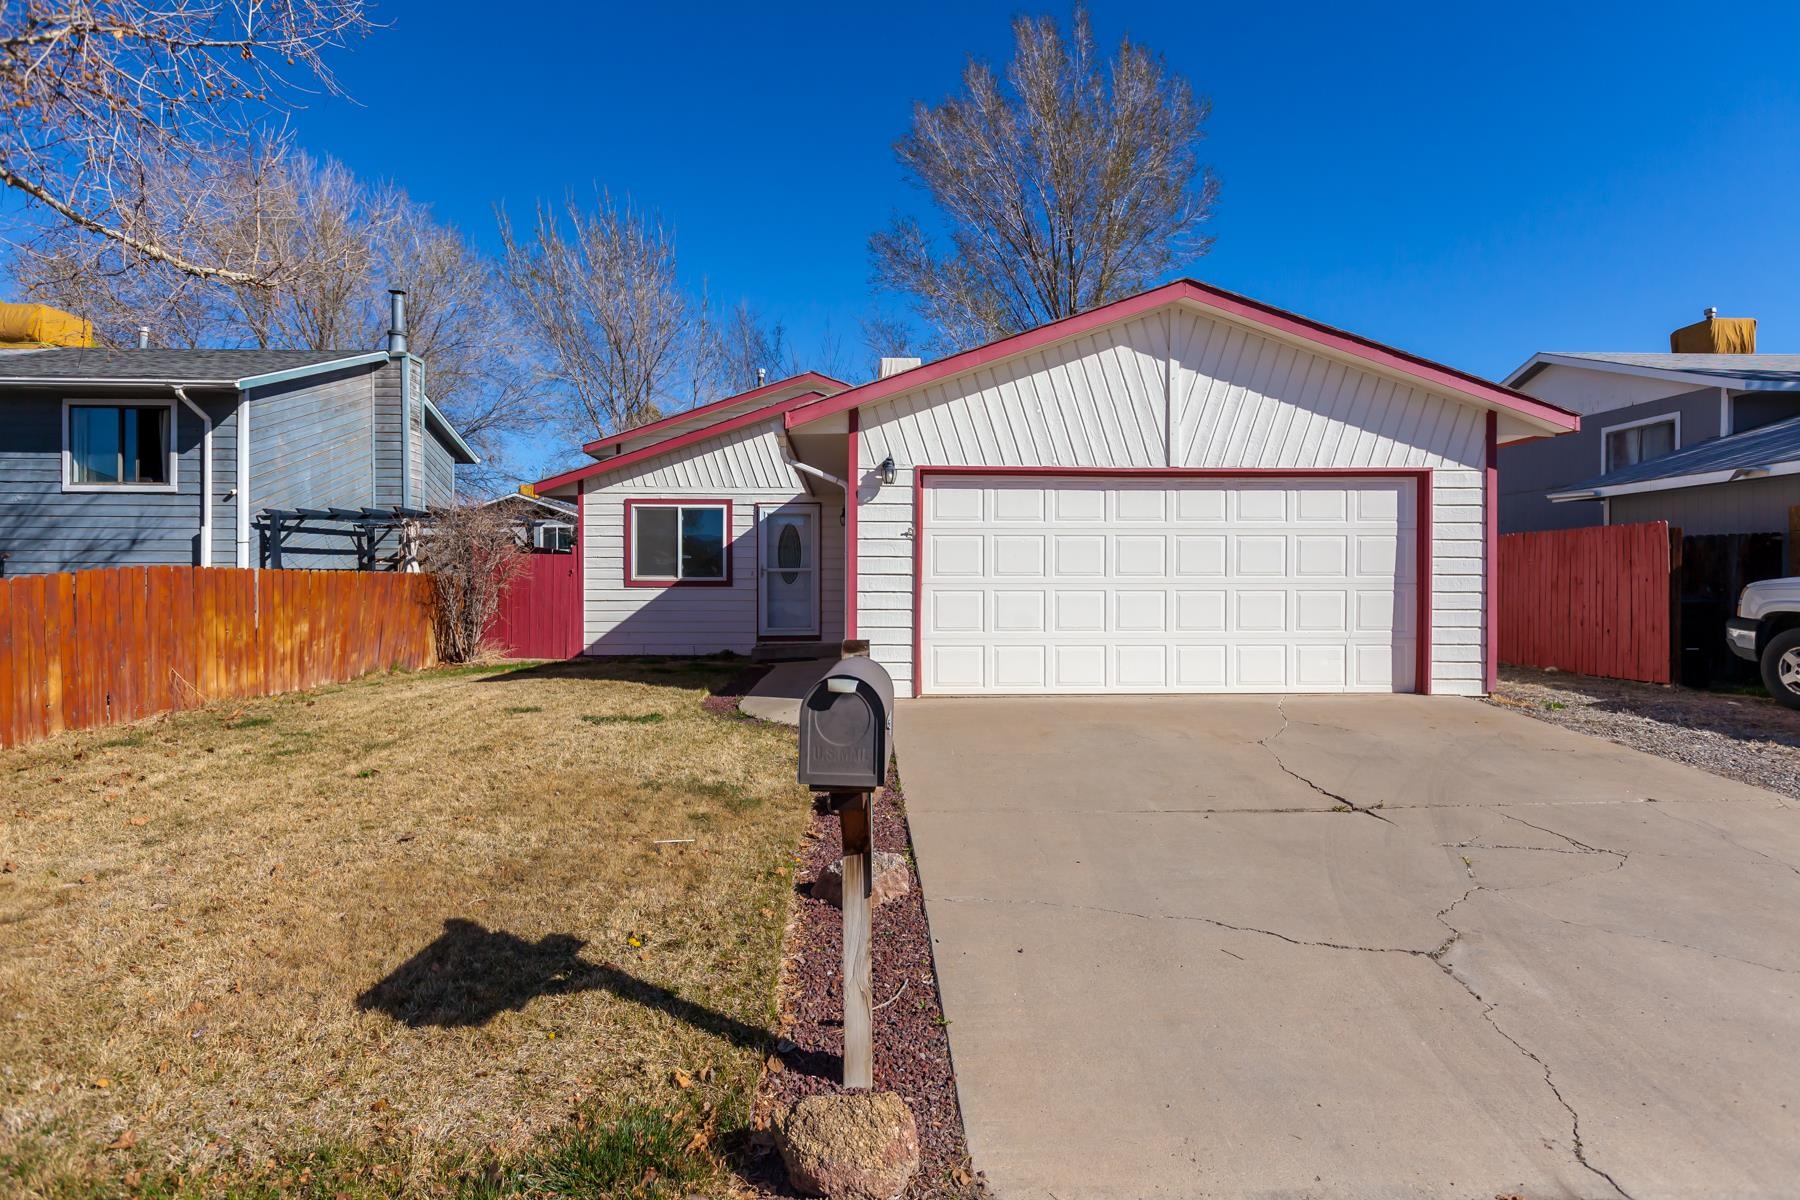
[
  {"x": 1438, "y": 957},
  {"x": 1268, "y": 744}
]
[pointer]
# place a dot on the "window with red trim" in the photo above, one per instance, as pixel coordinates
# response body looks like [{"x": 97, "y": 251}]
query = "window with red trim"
[{"x": 676, "y": 543}]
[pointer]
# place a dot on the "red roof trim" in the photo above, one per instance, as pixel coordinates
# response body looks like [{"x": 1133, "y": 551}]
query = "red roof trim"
[
  {"x": 1219, "y": 300},
  {"x": 678, "y": 442},
  {"x": 828, "y": 385}
]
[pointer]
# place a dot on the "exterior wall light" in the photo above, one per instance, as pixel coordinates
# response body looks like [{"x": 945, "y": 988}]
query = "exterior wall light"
[{"x": 887, "y": 469}]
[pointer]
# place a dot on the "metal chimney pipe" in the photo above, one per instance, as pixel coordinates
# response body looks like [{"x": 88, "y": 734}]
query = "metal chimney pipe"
[
  {"x": 396, "y": 333},
  {"x": 762, "y": 373},
  {"x": 1711, "y": 313},
  {"x": 143, "y": 337}
]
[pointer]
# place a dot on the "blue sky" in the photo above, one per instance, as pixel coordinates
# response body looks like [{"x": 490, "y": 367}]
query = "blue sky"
[{"x": 1472, "y": 183}]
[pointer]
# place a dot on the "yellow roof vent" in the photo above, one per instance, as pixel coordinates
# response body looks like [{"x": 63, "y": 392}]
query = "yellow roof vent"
[{"x": 41, "y": 325}]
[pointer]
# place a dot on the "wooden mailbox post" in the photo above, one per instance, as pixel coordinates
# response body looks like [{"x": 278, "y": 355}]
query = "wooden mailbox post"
[
  {"x": 854, "y": 811},
  {"x": 846, "y": 721}
]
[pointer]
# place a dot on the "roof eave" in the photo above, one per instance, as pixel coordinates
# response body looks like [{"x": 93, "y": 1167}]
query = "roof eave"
[
  {"x": 756, "y": 416},
  {"x": 291, "y": 373},
  {"x": 804, "y": 377},
  {"x": 1669, "y": 483},
  {"x": 1215, "y": 302},
  {"x": 466, "y": 455}
]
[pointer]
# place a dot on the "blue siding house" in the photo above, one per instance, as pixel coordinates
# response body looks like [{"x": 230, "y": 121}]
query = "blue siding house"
[{"x": 165, "y": 457}]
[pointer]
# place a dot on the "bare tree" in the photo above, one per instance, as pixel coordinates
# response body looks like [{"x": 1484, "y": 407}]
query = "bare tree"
[
  {"x": 598, "y": 285},
  {"x": 1067, "y": 186},
  {"x": 325, "y": 247},
  {"x": 99, "y": 92},
  {"x": 741, "y": 344},
  {"x": 473, "y": 555}
]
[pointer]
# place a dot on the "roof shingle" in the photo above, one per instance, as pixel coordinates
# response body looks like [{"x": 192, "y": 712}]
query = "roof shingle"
[{"x": 187, "y": 366}]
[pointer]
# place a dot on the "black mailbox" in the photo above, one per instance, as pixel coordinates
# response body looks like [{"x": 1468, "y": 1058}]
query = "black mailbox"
[{"x": 846, "y": 722}]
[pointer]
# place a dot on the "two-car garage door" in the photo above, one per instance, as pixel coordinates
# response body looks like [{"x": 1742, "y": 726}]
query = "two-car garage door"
[{"x": 1160, "y": 584}]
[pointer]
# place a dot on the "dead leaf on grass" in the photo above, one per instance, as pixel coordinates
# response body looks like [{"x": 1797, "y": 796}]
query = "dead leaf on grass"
[
  {"x": 124, "y": 1141},
  {"x": 682, "y": 1079},
  {"x": 140, "y": 821},
  {"x": 8, "y": 867},
  {"x": 102, "y": 1082}
]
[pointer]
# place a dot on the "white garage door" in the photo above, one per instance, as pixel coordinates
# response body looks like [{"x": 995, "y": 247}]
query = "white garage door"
[{"x": 1159, "y": 585}]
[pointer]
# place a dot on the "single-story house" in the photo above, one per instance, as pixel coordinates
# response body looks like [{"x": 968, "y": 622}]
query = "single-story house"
[
  {"x": 1638, "y": 408},
  {"x": 1182, "y": 491},
  {"x": 543, "y": 525},
  {"x": 166, "y": 457}
]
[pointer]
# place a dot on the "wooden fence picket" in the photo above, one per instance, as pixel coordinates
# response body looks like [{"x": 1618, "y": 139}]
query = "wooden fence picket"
[
  {"x": 108, "y": 646},
  {"x": 1595, "y": 601}
]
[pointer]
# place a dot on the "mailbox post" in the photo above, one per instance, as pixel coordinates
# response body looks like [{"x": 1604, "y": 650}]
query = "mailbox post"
[{"x": 845, "y": 727}]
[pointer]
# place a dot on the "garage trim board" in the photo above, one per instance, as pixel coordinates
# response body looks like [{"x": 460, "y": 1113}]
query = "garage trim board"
[{"x": 1420, "y": 479}]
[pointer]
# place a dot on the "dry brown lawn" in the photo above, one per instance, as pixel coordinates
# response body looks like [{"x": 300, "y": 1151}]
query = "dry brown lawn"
[{"x": 401, "y": 924}]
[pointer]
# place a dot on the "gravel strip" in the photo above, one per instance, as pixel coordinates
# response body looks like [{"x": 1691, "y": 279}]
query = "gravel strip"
[
  {"x": 912, "y": 1048},
  {"x": 1749, "y": 738}
]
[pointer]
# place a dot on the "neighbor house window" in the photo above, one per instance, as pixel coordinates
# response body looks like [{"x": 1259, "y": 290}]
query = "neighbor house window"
[
  {"x": 676, "y": 543},
  {"x": 120, "y": 445},
  {"x": 1640, "y": 441}
]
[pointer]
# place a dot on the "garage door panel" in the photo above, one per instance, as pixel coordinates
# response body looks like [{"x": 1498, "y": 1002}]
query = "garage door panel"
[
  {"x": 1020, "y": 612},
  {"x": 1019, "y": 555},
  {"x": 1089, "y": 585}
]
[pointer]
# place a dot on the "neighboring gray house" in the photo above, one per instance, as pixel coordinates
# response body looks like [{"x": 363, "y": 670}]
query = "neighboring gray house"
[
  {"x": 139, "y": 457},
  {"x": 1635, "y": 409}
]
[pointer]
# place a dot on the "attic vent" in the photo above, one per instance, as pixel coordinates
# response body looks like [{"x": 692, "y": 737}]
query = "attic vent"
[
  {"x": 1715, "y": 335},
  {"x": 893, "y": 366}
]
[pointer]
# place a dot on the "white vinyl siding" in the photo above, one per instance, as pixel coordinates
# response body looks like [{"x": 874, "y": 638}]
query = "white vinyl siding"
[
  {"x": 1239, "y": 399},
  {"x": 746, "y": 467}
]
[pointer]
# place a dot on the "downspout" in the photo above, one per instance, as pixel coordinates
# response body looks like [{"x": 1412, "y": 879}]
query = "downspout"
[
  {"x": 243, "y": 481},
  {"x": 397, "y": 350},
  {"x": 206, "y": 475}
]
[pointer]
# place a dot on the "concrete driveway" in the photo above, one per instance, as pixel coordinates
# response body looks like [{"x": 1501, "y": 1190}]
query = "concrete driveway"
[{"x": 1372, "y": 946}]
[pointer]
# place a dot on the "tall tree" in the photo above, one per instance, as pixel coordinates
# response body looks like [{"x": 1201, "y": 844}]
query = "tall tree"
[
  {"x": 1069, "y": 184},
  {"x": 98, "y": 92},
  {"x": 323, "y": 246},
  {"x": 598, "y": 286}
]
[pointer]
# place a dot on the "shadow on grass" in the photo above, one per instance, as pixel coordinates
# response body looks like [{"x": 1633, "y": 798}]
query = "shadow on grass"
[
  {"x": 470, "y": 974},
  {"x": 722, "y": 674}
]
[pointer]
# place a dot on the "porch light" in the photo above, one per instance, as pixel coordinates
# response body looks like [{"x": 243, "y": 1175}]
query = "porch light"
[{"x": 887, "y": 469}]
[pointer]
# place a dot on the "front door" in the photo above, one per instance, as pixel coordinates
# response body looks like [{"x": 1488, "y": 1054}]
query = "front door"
[{"x": 788, "y": 566}]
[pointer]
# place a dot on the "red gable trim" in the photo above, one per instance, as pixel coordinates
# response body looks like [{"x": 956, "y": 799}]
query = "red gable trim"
[
  {"x": 1219, "y": 300},
  {"x": 680, "y": 442},
  {"x": 824, "y": 385}
]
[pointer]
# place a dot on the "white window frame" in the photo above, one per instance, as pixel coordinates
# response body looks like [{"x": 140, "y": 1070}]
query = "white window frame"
[
  {"x": 68, "y": 461},
  {"x": 634, "y": 579},
  {"x": 1606, "y": 431}
]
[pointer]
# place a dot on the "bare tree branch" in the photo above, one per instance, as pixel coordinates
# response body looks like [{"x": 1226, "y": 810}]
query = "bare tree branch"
[
  {"x": 1070, "y": 185},
  {"x": 95, "y": 92},
  {"x": 598, "y": 287}
]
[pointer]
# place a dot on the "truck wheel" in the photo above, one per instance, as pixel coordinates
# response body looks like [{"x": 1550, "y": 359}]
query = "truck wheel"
[{"x": 1781, "y": 667}]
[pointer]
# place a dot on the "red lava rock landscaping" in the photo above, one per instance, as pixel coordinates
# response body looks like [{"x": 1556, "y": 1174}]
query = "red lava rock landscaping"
[
  {"x": 912, "y": 1049},
  {"x": 723, "y": 702}
]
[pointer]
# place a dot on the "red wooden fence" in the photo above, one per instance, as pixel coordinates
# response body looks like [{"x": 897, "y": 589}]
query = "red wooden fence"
[
  {"x": 102, "y": 647},
  {"x": 1594, "y": 601},
  {"x": 540, "y": 611}
]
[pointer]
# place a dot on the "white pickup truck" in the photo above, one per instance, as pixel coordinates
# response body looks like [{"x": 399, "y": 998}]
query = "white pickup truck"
[{"x": 1766, "y": 631}]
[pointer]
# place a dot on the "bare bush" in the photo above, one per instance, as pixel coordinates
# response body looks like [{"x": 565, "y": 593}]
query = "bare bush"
[{"x": 473, "y": 555}]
